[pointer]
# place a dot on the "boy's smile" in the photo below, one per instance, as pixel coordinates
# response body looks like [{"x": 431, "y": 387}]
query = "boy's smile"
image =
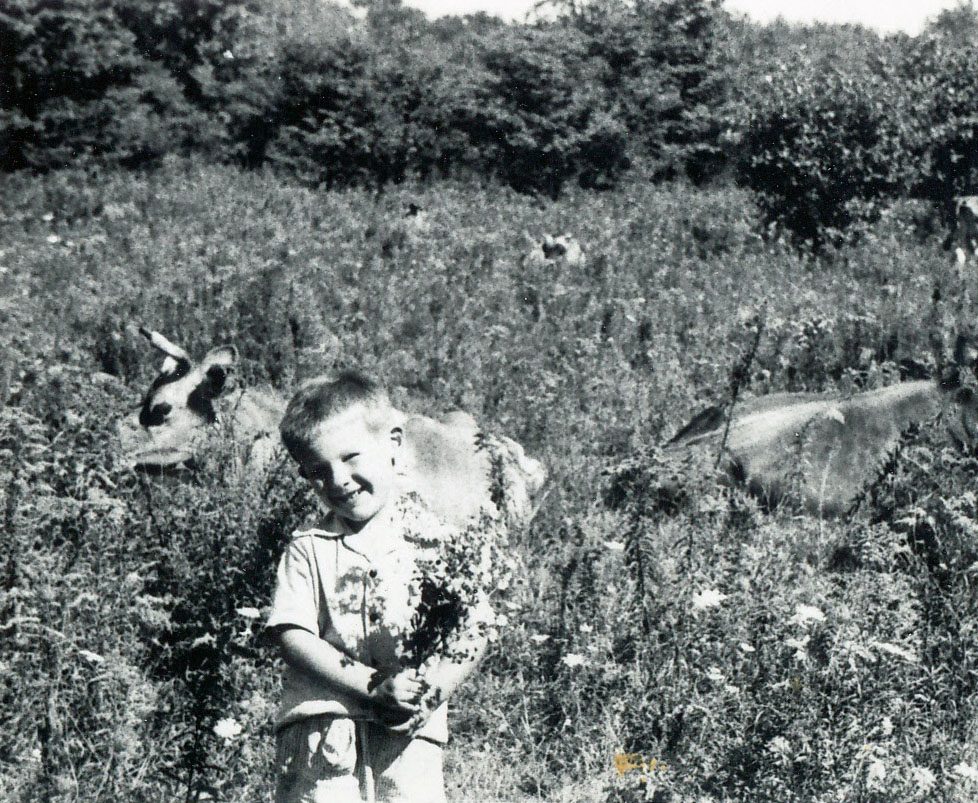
[{"x": 350, "y": 465}]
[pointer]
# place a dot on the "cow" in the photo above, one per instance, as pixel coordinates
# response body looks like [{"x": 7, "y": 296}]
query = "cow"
[
  {"x": 964, "y": 228},
  {"x": 823, "y": 449},
  {"x": 187, "y": 402},
  {"x": 416, "y": 216},
  {"x": 540, "y": 268},
  {"x": 455, "y": 467},
  {"x": 409, "y": 229}
]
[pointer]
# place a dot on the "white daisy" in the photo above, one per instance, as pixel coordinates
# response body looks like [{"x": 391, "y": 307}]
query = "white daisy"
[
  {"x": 707, "y": 598},
  {"x": 227, "y": 728}
]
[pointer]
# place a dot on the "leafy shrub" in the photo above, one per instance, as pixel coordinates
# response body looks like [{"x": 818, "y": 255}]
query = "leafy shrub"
[
  {"x": 115, "y": 80},
  {"x": 348, "y": 112},
  {"x": 839, "y": 668},
  {"x": 355, "y": 111},
  {"x": 185, "y": 37},
  {"x": 941, "y": 80},
  {"x": 71, "y": 71},
  {"x": 823, "y": 149},
  {"x": 664, "y": 73},
  {"x": 536, "y": 115},
  {"x": 129, "y": 604}
]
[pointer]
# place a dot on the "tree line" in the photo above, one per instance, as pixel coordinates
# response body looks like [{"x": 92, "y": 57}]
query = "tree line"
[{"x": 825, "y": 123}]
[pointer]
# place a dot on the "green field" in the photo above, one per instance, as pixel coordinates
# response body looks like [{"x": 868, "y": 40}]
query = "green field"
[{"x": 121, "y": 641}]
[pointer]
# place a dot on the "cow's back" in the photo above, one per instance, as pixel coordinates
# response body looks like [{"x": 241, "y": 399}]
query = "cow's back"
[
  {"x": 450, "y": 464},
  {"x": 830, "y": 448}
]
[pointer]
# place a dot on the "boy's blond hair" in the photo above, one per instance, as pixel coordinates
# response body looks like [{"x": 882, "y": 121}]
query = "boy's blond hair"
[{"x": 321, "y": 398}]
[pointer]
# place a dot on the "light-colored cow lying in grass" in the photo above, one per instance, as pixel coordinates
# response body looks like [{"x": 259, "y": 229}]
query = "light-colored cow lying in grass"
[
  {"x": 964, "y": 229},
  {"x": 449, "y": 462},
  {"x": 825, "y": 448}
]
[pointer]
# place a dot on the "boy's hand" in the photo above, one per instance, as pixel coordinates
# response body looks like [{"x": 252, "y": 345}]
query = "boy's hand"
[
  {"x": 397, "y": 695},
  {"x": 409, "y": 726},
  {"x": 430, "y": 699}
]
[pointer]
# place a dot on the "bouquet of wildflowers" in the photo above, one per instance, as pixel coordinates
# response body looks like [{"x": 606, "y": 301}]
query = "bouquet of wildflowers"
[
  {"x": 454, "y": 578},
  {"x": 450, "y": 590}
]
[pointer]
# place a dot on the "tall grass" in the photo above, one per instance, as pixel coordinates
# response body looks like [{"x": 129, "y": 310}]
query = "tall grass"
[{"x": 126, "y": 629}]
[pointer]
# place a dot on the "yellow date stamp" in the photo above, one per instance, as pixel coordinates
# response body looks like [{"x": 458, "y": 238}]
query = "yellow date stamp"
[{"x": 627, "y": 763}]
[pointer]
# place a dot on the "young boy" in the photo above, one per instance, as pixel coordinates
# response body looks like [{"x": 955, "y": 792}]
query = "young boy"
[{"x": 353, "y": 724}]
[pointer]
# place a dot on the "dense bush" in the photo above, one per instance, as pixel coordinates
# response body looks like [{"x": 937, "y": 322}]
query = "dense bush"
[
  {"x": 524, "y": 111},
  {"x": 825, "y": 123},
  {"x": 129, "y": 608},
  {"x": 537, "y": 117},
  {"x": 663, "y": 66},
  {"x": 74, "y": 86},
  {"x": 824, "y": 148},
  {"x": 941, "y": 78},
  {"x": 333, "y": 100},
  {"x": 117, "y": 80}
]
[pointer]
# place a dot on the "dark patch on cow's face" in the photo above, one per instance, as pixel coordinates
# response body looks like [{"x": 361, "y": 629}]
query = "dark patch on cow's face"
[
  {"x": 554, "y": 249},
  {"x": 216, "y": 377},
  {"x": 201, "y": 398},
  {"x": 154, "y": 415},
  {"x": 201, "y": 403}
]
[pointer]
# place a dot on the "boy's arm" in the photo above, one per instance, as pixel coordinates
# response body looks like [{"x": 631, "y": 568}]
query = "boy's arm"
[
  {"x": 443, "y": 675},
  {"x": 321, "y": 662}
]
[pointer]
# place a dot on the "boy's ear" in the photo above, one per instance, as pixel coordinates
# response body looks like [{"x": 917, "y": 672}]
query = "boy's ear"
[
  {"x": 397, "y": 436},
  {"x": 397, "y": 419}
]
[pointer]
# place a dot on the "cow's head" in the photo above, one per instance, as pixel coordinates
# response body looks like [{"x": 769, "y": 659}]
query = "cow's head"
[
  {"x": 178, "y": 406},
  {"x": 564, "y": 248}
]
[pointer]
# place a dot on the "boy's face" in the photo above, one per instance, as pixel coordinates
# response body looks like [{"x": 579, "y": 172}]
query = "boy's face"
[{"x": 350, "y": 466}]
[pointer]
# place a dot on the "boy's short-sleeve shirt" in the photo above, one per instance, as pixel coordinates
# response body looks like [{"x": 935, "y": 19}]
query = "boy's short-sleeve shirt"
[{"x": 353, "y": 591}]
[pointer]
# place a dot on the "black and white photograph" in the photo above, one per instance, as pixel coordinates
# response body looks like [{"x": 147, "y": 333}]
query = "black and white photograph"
[{"x": 488, "y": 401}]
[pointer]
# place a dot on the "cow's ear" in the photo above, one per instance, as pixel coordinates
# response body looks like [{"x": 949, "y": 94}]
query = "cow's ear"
[
  {"x": 965, "y": 353},
  {"x": 216, "y": 367},
  {"x": 225, "y": 356}
]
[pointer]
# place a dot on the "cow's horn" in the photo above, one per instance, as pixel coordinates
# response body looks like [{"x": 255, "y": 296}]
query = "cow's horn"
[{"x": 164, "y": 345}]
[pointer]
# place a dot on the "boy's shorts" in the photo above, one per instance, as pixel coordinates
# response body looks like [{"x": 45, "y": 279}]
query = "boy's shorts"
[{"x": 317, "y": 761}]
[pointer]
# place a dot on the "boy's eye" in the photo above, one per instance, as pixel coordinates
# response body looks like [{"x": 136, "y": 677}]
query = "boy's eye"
[{"x": 349, "y": 457}]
